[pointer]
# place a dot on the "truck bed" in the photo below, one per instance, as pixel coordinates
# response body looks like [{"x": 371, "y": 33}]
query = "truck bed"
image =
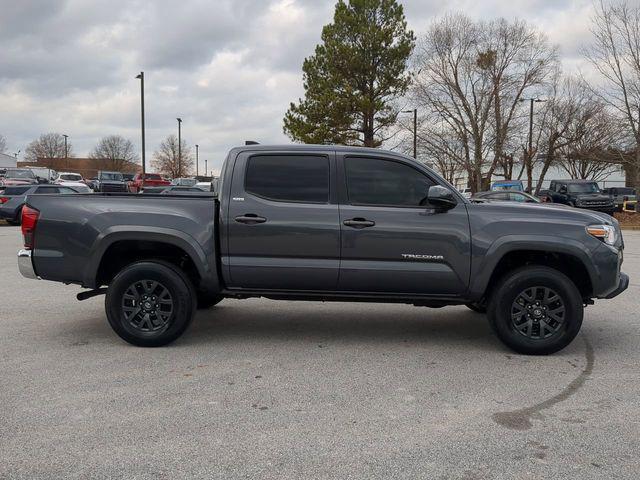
[{"x": 74, "y": 231}]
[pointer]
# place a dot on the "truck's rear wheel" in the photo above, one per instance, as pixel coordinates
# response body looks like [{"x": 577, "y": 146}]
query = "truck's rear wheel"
[
  {"x": 536, "y": 310},
  {"x": 150, "y": 304}
]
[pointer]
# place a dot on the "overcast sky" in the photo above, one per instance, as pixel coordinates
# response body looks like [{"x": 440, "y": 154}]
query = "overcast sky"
[{"x": 228, "y": 68}]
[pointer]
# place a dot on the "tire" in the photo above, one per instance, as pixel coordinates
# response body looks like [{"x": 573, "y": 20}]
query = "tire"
[
  {"x": 208, "y": 300},
  {"x": 17, "y": 220},
  {"x": 478, "y": 307},
  {"x": 547, "y": 306},
  {"x": 149, "y": 282}
]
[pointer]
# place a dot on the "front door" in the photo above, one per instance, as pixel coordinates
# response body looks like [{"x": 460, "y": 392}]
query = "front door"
[
  {"x": 392, "y": 240},
  {"x": 283, "y": 227}
]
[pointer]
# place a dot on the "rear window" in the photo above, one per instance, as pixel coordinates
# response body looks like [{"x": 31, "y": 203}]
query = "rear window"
[
  {"x": 71, "y": 177},
  {"x": 152, "y": 176},
  {"x": 15, "y": 190},
  {"x": 289, "y": 178},
  {"x": 625, "y": 191}
]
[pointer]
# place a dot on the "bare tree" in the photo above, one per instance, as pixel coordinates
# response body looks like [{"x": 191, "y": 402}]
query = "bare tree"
[
  {"x": 455, "y": 94},
  {"x": 166, "y": 159},
  {"x": 48, "y": 146},
  {"x": 615, "y": 54},
  {"x": 114, "y": 152},
  {"x": 519, "y": 59},
  {"x": 471, "y": 78},
  {"x": 3, "y": 144}
]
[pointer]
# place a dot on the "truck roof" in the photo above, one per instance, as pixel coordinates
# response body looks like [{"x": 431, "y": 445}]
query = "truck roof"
[
  {"x": 313, "y": 147},
  {"x": 576, "y": 180}
]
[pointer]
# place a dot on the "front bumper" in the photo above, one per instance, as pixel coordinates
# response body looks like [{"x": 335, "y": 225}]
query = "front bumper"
[
  {"x": 25, "y": 264},
  {"x": 622, "y": 286}
]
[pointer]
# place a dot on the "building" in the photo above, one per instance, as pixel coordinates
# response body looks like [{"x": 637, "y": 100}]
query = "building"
[
  {"x": 7, "y": 161},
  {"x": 87, "y": 167}
]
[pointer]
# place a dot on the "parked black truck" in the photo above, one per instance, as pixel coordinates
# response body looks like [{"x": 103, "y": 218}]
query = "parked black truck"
[
  {"x": 580, "y": 194},
  {"x": 326, "y": 223}
]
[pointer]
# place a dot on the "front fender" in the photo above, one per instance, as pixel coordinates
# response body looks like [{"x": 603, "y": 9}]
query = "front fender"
[{"x": 483, "y": 268}]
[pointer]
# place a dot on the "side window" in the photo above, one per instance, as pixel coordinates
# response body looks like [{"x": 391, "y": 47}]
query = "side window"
[
  {"x": 516, "y": 197},
  {"x": 46, "y": 190},
  {"x": 373, "y": 181},
  {"x": 503, "y": 197},
  {"x": 552, "y": 187},
  {"x": 288, "y": 178}
]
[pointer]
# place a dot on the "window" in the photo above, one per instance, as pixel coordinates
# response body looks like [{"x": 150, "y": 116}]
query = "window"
[
  {"x": 71, "y": 177},
  {"x": 587, "y": 187},
  {"x": 289, "y": 178},
  {"x": 66, "y": 190},
  {"x": 384, "y": 182},
  {"x": 503, "y": 197},
  {"x": 46, "y": 190},
  {"x": 16, "y": 190}
]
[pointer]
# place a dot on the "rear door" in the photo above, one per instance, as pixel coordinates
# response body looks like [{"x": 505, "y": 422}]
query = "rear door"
[
  {"x": 283, "y": 222},
  {"x": 392, "y": 240}
]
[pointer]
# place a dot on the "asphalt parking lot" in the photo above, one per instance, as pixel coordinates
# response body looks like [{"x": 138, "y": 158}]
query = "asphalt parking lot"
[{"x": 263, "y": 389}]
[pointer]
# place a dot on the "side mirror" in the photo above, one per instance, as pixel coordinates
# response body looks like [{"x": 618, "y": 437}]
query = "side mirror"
[{"x": 441, "y": 197}]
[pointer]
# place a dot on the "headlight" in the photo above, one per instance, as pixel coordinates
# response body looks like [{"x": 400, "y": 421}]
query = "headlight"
[{"x": 606, "y": 233}]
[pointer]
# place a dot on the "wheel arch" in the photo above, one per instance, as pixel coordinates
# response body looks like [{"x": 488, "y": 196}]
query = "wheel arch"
[
  {"x": 568, "y": 256},
  {"x": 119, "y": 246}
]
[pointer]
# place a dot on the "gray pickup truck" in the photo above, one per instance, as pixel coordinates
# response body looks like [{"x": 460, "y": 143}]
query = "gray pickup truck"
[{"x": 326, "y": 223}]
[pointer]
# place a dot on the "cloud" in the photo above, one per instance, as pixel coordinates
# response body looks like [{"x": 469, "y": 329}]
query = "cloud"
[{"x": 228, "y": 68}]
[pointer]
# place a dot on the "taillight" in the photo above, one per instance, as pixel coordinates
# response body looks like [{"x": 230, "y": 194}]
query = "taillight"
[
  {"x": 4, "y": 200},
  {"x": 29, "y": 220}
]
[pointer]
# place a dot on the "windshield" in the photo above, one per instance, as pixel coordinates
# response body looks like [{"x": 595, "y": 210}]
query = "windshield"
[
  {"x": 20, "y": 174},
  {"x": 588, "y": 187},
  {"x": 70, "y": 176},
  {"x": 111, "y": 176},
  {"x": 507, "y": 186}
]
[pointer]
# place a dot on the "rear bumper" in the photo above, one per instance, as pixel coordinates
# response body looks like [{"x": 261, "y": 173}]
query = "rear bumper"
[
  {"x": 25, "y": 264},
  {"x": 622, "y": 286}
]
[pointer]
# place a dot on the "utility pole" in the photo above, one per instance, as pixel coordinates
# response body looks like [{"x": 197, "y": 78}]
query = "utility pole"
[
  {"x": 415, "y": 130},
  {"x": 531, "y": 101},
  {"x": 179, "y": 146},
  {"x": 205, "y": 167},
  {"x": 197, "y": 147},
  {"x": 66, "y": 151},
  {"x": 141, "y": 77}
]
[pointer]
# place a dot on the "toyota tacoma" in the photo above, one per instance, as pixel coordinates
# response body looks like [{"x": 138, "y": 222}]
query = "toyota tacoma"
[{"x": 326, "y": 223}]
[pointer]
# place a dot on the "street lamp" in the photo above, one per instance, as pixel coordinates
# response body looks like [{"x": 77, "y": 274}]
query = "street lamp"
[
  {"x": 66, "y": 151},
  {"x": 531, "y": 102},
  {"x": 197, "y": 147},
  {"x": 141, "y": 77},
  {"x": 415, "y": 130},
  {"x": 179, "y": 146},
  {"x": 205, "y": 167}
]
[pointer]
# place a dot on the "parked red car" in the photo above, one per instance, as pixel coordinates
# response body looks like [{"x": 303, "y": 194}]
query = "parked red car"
[{"x": 150, "y": 180}]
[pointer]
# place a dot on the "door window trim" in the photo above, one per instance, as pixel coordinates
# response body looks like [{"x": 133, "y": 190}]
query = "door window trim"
[
  {"x": 289, "y": 154},
  {"x": 345, "y": 158}
]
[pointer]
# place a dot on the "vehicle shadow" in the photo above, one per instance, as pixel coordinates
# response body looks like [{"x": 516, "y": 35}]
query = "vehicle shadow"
[{"x": 361, "y": 323}]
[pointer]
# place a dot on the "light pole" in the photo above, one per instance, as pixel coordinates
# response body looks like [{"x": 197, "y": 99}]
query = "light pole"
[
  {"x": 205, "y": 167},
  {"x": 197, "y": 147},
  {"x": 179, "y": 146},
  {"x": 66, "y": 151},
  {"x": 531, "y": 102},
  {"x": 415, "y": 130},
  {"x": 141, "y": 77}
]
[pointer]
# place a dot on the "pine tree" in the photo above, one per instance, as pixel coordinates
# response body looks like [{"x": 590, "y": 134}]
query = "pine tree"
[{"x": 354, "y": 76}]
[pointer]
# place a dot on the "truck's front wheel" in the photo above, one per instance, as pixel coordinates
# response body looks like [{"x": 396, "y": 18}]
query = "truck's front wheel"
[
  {"x": 536, "y": 310},
  {"x": 150, "y": 304}
]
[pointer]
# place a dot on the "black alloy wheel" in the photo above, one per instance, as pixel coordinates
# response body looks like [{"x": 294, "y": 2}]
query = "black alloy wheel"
[
  {"x": 150, "y": 303},
  {"x": 147, "y": 305},
  {"x": 538, "y": 312}
]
